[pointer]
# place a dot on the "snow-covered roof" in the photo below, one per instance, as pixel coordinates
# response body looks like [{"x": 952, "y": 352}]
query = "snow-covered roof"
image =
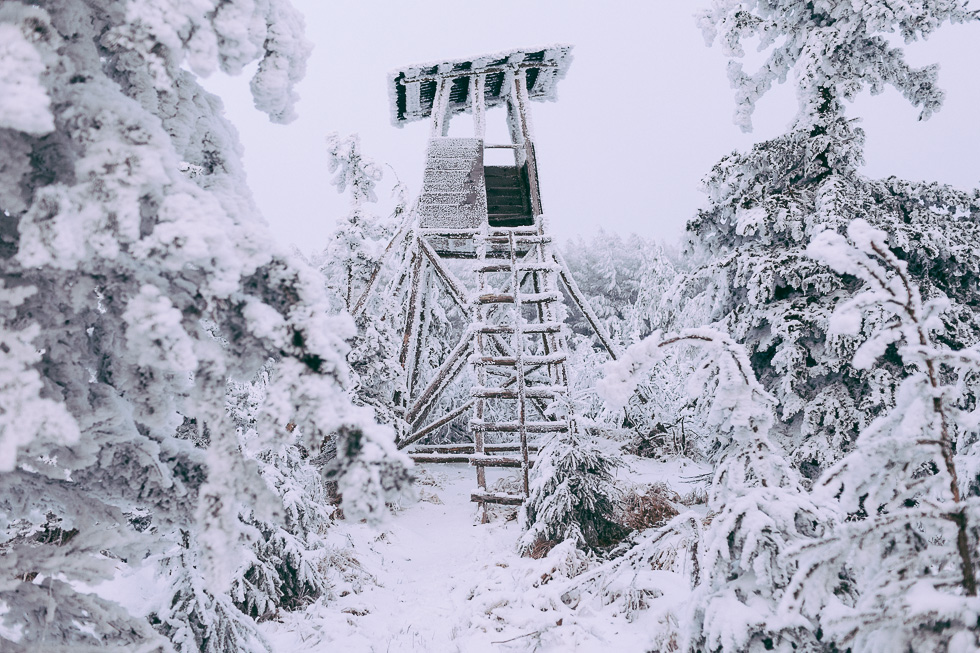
[{"x": 413, "y": 88}]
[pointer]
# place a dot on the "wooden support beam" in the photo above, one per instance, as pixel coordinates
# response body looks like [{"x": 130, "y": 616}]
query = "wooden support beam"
[
  {"x": 429, "y": 428},
  {"x": 447, "y": 372},
  {"x": 440, "y": 107},
  {"x": 478, "y": 104},
  {"x": 399, "y": 235},
  {"x": 521, "y": 100},
  {"x": 455, "y": 287},
  {"x": 583, "y": 305},
  {"x": 413, "y": 300}
]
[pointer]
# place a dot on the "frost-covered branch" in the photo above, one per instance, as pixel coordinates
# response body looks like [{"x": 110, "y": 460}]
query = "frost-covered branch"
[
  {"x": 900, "y": 487},
  {"x": 757, "y": 505},
  {"x": 834, "y": 49}
]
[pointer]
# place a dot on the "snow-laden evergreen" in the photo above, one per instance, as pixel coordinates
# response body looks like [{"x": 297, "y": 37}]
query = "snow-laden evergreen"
[
  {"x": 137, "y": 278},
  {"x": 834, "y": 50},
  {"x": 900, "y": 572},
  {"x": 572, "y": 496},
  {"x": 753, "y": 279},
  {"x": 352, "y": 261}
]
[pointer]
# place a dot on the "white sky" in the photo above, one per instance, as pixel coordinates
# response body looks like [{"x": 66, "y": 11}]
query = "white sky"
[{"x": 643, "y": 114}]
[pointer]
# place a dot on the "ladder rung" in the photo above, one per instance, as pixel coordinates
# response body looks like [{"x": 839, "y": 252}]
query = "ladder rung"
[
  {"x": 539, "y": 297},
  {"x": 477, "y": 460},
  {"x": 496, "y": 267},
  {"x": 545, "y": 327},
  {"x": 539, "y": 392},
  {"x": 513, "y": 427},
  {"x": 494, "y": 298},
  {"x": 503, "y": 361},
  {"x": 511, "y": 361},
  {"x": 440, "y": 457},
  {"x": 519, "y": 239},
  {"x": 498, "y": 461},
  {"x": 548, "y": 359},
  {"x": 498, "y": 497},
  {"x": 469, "y": 448},
  {"x": 522, "y": 267},
  {"x": 538, "y": 266}
]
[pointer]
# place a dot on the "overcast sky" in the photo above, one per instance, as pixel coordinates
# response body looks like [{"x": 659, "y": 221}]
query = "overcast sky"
[{"x": 643, "y": 114}]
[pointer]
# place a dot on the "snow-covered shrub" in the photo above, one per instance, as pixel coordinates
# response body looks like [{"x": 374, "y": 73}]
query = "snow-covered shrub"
[
  {"x": 757, "y": 506},
  {"x": 196, "y": 618},
  {"x": 137, "y": 277},
  {"x": 283, "y": 569},
  {"x": 572, "y": 496},
  {"x": 900, "y": 572}
]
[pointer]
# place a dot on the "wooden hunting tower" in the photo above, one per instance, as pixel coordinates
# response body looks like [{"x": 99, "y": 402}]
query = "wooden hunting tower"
[{"x": 485, "y": 222}]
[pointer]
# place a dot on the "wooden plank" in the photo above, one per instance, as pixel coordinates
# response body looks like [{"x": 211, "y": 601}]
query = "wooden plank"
[
  {"x": 470, "y": 447},
  {"x": 513, "y": 427},
  {"x": 499, "y": 498}
]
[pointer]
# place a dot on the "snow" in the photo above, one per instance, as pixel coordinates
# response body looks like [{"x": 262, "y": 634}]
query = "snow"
[
  {"x": 443, "y": 582},
  {"x": 24, "y": 102}
]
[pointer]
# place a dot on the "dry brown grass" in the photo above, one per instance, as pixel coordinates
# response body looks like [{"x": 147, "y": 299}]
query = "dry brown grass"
[
  {"x": 540, "y": 549},
  {"x": 647, "y": 506}
]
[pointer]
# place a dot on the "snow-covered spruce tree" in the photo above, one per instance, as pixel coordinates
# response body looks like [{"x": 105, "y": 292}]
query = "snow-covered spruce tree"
[
  {"x": 349, "y": 263},
  {"x": 355, "y": 246},
  {"x": 118, "y": 269},
  {"x": 757, "y": 507},
  {"x": 900, "y": 574},
  {"x": 765, "y": 205},
  {"x": 572, "y": 495}
]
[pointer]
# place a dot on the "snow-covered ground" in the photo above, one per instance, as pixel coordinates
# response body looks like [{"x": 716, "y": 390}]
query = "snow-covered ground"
[{"x": 436, "y": 580}]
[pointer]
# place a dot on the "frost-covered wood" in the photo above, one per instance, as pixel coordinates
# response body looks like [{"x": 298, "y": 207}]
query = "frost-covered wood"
[
  {"x": 453, "y": 188},
  {"x": 414, "y": 90}
]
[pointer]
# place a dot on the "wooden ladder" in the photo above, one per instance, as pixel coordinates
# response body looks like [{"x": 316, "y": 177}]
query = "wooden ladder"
[{"x": 517, "y": 336}]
